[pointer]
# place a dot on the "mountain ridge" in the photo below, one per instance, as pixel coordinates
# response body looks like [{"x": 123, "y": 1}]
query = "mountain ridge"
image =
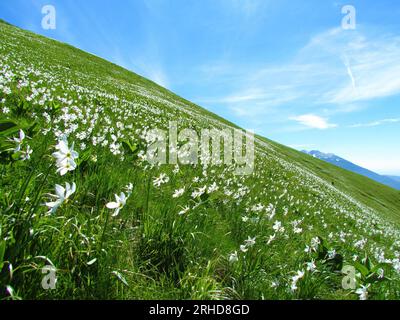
[{"x": 345, "y": 164}]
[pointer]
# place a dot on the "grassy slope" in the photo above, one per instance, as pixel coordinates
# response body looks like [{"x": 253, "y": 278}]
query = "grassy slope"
[
  {"x": 380, "y": 197},
  {"x": 171, "y": 258}
]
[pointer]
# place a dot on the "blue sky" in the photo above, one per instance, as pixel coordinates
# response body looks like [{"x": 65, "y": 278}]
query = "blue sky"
[{"x": 285, "y": 69}]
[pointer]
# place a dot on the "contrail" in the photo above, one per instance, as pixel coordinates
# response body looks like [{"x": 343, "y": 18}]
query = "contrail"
[
  {"x": 350, "y": 72},
  {"x": 353, "y": 81}
]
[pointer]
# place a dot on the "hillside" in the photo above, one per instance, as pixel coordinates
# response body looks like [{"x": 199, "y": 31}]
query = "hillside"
[
  {"x": 185, "y": 231},
  {"x": 345, "y": 164}
]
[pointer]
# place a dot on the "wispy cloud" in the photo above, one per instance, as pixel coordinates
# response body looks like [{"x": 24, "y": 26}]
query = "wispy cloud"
[
  {"x": 376, "y": 123},
  {"x": 148, "y": 61},
  {"x": 313, "y": 121},
  {"x": 337, "y": 71},
  {"x": 374, "y": 70},
  {"x": 149, "y": 68},
  {"x": 156, "y": 74}
]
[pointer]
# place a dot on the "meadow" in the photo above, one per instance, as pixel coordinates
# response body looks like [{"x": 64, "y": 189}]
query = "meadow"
[{"x": 77, "y": 194}]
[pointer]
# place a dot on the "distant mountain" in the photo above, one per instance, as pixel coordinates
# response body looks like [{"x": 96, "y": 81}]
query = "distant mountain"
[
  {"x": 391, "y": 181},
  {"x": 393, "y": 178}
]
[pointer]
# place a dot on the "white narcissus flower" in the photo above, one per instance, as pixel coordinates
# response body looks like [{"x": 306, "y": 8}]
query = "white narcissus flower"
[
  {"x": 178, "y": 193},
  {"x": 26, "y": 155},
  {"x": 18, "y": 140},
  {"x": 250, "y": 241},
  {"x": 64, "y": 152},
  {"x": 199, "y": 192},
  {"x": 271, "y": 238},
  {"x": 277, "y": 225},
  {"x": 315, "y": 242},
  {"x": 65, "y": 166},
  {"x": 65, "y": 156},
  {"x": 212, "y": 188},
  {"x": 184, "y": 210},
  {"x": 129, "y": 188},
  {"x": 297, "y": 230},
  {"x": 311, "y": 266},
  {"x": 332, "y": 254},
  {"x": 295, "y": 279},
  {"x": 61, "y": 196},
  {"x": 163, "y": 178},
  {"x": 243, "y": 248},
  {"x": 233, "y": 257},
  {"x": 120, "y": 201},
  {"x": 363, "y": 292}
]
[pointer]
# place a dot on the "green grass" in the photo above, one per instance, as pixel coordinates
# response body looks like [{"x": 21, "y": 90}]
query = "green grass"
[
  {"x": 381, "y": 198},
  {"x": 149, "y": 251}
]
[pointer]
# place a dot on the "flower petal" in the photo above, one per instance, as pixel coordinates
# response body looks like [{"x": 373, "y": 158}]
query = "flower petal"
[
  {"x": 112, "y": 205},
  {"x": 60, "y": 191}
]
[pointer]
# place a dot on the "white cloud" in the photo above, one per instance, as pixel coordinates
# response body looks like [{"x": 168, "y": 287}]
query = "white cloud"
[
  {"x": 252, "y": 97},
  {"x": 376, "y": 123},
  {"x": 313, "y": 121},
  {"x": 337, "y": 71}
]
